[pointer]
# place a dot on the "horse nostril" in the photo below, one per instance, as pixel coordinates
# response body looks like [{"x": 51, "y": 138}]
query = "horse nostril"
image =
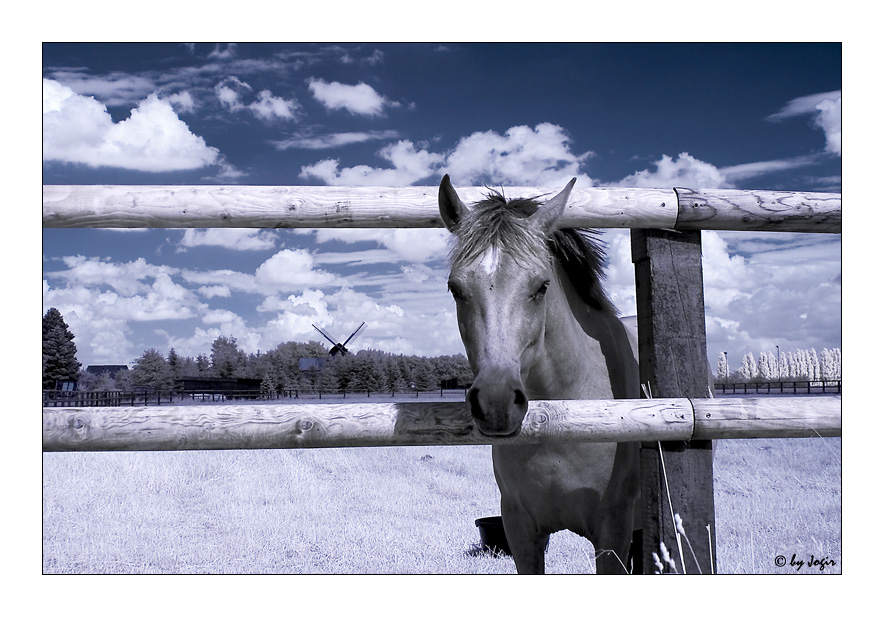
[
  {"x": 520, "y": 399},
  {"x": 475, "y": 408}
]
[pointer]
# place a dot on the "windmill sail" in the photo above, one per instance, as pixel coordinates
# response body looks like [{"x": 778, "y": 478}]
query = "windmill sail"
[
  {"x": 325, "y": 334},
  {"x": 356, "y": 333},
  {"x": 338, "y": 347}
]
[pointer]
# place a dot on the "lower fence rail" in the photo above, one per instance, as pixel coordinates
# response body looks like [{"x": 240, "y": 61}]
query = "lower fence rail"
[{"x": 273, "y": 426}]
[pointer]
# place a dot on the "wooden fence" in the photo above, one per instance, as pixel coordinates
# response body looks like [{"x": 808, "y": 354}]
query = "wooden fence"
[
  {"x": 794, "y": 387},
  {"x": 264, "y": 426},
  {"x": 204, "y": 206},
  {"x": 675, "y": 428},
  {"x": 86, "y": 399}
]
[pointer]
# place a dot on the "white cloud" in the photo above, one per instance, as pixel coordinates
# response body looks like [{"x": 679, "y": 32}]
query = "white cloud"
[
  {"x": 333, "y": 140},
  {"x": 235, "y": 239},
  {"x": 182, "y": 101},
  {"x": 360, "y": 100},
  {"x": 290, "y": 270},
  {"x": 409, "y": 165},
  {"x": 521, "y": 156},
  {"x": 401, "y": 244},
  {"x": 684, "y": 171},
  {"x": 114, "y": 89},
  {"x": 102, "y": 301},
  {"x": 269, "y": 107},
  {"x": 232, "y": 91},
  {"x": 826, "y": 107},
  {"x": 830, "y": 120},
  {"x": 757, "y": 286},
  {"x": 225, "y": 52},
  {"x": 744, "y": 171},
  {"x": 78, "y": 129},
  {"x": 214, "y": 291}
]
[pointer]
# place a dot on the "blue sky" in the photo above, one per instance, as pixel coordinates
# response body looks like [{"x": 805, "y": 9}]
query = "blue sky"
[{"x": 754, "y": 116}]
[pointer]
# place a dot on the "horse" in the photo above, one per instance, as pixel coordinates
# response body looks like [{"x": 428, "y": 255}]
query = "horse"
[{"x": 537, "y": 324}]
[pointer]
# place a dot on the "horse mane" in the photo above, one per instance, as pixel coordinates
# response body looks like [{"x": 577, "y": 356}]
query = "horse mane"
[{"x": 498, "y": 222}]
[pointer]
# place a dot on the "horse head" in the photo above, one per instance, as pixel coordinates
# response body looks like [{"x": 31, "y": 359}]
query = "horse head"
[{"x": 500, "y": 274}]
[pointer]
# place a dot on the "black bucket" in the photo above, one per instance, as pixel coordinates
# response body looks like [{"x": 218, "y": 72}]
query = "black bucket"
[{"x": 491, "y": 534}]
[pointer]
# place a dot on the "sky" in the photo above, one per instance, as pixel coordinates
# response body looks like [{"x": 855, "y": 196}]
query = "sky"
[{"x": 745, "y": 116}]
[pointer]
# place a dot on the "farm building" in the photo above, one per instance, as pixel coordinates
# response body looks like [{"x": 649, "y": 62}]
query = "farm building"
[{"x": 227, "y": 386}]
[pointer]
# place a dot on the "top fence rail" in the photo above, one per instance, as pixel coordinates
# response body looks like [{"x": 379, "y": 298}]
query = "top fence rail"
[{"x": 235, "y": 206}]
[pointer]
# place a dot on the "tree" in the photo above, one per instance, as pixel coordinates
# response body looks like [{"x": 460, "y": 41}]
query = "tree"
[
  {"x": 722, "y": 368},
  {"x": 202, "y": 364},
  {"x": 59, "y": 352},
  {"x": 226, "y": 357},
  {"x": 176, "y": 363},
  {"x": 152, "y": 371},
  {"x": 96, "y": 383},
  {"x": 767, "y": 366},
  {"x": 815, "y": 364},
  {"x": 748, "y": 369}
]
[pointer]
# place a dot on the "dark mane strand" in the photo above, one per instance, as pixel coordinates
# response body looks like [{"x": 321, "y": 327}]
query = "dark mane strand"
[{"x": 581, "y": 255}]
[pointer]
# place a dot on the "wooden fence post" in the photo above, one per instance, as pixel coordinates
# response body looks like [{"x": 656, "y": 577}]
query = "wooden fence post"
[{"x": 673, "y": 363}]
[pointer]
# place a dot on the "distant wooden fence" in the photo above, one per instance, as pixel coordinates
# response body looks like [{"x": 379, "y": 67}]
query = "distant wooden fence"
[
  {"x": 85, "y": 399},
  {"x": 794, "y": 387},
  {"x": 675, "y": 427}
]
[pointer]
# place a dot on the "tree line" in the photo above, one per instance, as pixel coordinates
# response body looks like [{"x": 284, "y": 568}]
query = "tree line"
[
  {"x": 278, "y": 370},
  {"x": 797, "y": 365}
]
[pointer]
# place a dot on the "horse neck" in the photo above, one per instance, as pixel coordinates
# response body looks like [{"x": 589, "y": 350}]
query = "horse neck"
[{"x": 585, "y": 352}]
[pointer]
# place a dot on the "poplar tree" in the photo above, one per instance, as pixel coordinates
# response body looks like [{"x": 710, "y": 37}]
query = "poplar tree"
[{"x": 722, "y": 369}]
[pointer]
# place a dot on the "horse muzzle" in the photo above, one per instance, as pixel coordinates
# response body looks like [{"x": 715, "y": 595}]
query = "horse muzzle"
[{"x": 498, "y": 406}]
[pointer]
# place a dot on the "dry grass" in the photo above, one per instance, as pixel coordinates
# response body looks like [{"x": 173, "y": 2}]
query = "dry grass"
[
  {"x": 384, "y": 510},
  {"x": 778, "y": 498}
]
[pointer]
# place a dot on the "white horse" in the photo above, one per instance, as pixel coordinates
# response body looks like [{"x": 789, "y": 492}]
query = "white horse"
[{"x": 536, "y": 324}]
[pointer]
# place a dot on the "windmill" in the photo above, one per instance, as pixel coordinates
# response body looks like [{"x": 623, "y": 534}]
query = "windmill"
[{"x": 339, "y": 348}]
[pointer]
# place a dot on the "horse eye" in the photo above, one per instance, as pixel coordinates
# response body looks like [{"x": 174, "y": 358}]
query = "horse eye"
[
  {"x": 455, "y": 291},
  {"x": 541, "y": 291}
]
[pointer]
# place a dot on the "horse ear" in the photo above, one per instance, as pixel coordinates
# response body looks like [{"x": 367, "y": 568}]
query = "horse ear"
[
  {"x": 547, "y": 215},
  {"x": 451, "y": 208}
]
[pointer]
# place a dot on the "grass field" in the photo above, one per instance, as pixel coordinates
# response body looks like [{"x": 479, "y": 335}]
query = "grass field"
[{"x": 390, "y": 510}]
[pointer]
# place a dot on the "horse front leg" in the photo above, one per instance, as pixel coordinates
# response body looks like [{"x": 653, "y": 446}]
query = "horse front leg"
[
  {"x": 527, "y": 543},
  {"x": 613, "y": 546}
]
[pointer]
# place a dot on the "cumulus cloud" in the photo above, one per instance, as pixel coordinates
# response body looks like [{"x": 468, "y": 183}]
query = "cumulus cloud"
[
  {"x": 102, "y": 301},
  {"x": 269, "y": 107},
  {"x": 539, "y": 156},
  {"x": 684, "y": 171},
  {"x": 410, "y": 165},
  {"x": 232, "y": 92},
  {"x": 292, "y": 269},
  {"x": 78, "y": 129},
  {"x": 359, "y": 100},
  {"x": 826, "y": 108}
]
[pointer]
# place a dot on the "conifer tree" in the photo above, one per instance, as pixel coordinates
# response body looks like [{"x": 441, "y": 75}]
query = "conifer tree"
[{"x": 59, "y": 352}]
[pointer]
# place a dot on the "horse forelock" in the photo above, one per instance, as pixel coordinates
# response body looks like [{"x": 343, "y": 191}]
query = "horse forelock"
[{"x": 501, "y": 224}]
